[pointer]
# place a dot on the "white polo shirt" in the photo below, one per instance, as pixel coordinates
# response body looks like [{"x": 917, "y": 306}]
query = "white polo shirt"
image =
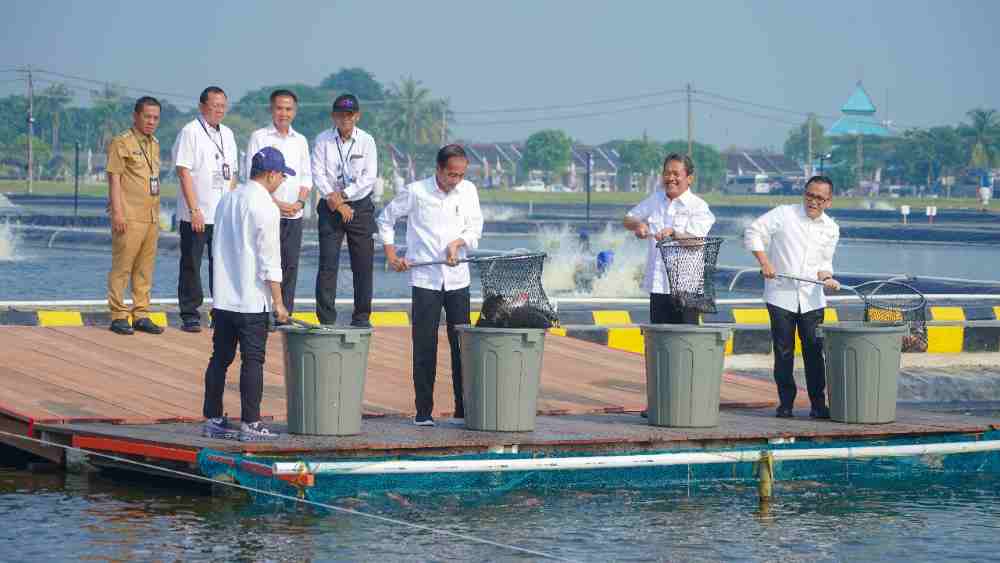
[
  {"x": 295, "y": 148},
  {"x": 434, "y": 219},
  {"x": 795, "y": 245},
  {"x": 687, "y": 214},
  {"x": 203, "y": 150},
  {"x": 247, "y": 249},
  {"x": 332, "y": 156}
]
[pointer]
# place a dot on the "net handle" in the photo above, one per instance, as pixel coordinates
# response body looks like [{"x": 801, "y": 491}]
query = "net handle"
[
  {"x": 817, "y": 282},
  {"x": 472, "y": 260}
]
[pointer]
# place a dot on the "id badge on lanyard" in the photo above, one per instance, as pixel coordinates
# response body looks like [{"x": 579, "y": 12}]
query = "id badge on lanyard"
[{"x": 154, "y": 186}]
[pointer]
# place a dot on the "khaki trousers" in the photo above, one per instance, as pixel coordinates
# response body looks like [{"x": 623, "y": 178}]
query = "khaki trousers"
[{"x": 133, "y": 255}]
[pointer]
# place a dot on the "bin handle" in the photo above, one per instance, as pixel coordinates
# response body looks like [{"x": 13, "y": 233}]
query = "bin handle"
[
  {"x": 352, "y": 336},
  {"x": 723, "y": 335},
  {"x": 533, "y": 337}
]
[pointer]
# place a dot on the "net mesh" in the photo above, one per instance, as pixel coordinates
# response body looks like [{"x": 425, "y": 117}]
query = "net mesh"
[
  {"x": 890, "y": 302},
  {"x": 690, "y": 265},
  {"x": 513, "y": 296}
]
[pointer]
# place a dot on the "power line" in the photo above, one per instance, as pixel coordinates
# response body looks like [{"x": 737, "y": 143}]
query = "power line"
[
  {"x": 747, "y": 113},
  {"x": 105, "y": 82},
  {"x": 571, "y": 116},
  {"x": 760, "y": 106},
  {"x": 571, "y": 106}
]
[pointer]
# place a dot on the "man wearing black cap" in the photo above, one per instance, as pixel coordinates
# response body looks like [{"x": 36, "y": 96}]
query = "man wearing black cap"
[
  {"x": 247, "y": 282},
  {"x": 344, "y": 168}
]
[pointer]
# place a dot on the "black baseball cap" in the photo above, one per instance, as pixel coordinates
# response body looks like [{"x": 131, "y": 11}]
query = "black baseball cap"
[{"x": 346, "y": 102}]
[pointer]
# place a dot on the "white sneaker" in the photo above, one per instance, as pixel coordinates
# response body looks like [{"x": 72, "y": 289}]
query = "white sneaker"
[
  {"x": 255, "y": 432},
  {"x": 423, "y": 421}
]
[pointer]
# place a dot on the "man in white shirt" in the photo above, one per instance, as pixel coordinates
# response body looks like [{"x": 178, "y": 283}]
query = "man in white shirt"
[
  {"x": 293, "y": 195},
  {"x": 206, "y": 160},
  {"x": 800, "y": 240},
  {"x": 344, "y": 169},
  {"x": 443, "y": 220},
  {"x": 674, "y": 213},
  {"x": 247, "y": 286}
]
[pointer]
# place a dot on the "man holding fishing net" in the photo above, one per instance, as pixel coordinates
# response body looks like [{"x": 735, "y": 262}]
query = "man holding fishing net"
[
  {"x": 800, "y": 240},
  {"x": 443, "y": 220}
]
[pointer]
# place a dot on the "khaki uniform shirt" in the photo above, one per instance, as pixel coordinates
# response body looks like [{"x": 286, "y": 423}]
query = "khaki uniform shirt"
[{"x": 136, "y": 159}]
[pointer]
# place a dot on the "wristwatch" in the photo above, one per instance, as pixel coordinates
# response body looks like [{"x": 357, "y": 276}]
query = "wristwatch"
[{"x": 303, "y": 203}]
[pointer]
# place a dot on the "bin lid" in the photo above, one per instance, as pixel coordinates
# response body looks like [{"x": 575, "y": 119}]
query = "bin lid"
[
  {"x": 863, "y": 327},
  {"x": 323, "y": 330},
  {"x": 492, "y": 330},
  {"x": 705, "y": 328}
]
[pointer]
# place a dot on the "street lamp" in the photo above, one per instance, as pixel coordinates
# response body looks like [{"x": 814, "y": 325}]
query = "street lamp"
[{"x": 823, "y": 158}]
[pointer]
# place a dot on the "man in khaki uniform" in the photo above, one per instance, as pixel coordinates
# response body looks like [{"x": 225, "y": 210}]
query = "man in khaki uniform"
[{"x": 134, "y": 202}]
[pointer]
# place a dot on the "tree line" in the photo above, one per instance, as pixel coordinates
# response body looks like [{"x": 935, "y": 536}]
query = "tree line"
[{"x": 917, "y": 157}]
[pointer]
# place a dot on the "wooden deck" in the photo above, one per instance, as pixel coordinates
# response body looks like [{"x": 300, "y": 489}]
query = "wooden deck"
[{"x": 88, "y": 374}]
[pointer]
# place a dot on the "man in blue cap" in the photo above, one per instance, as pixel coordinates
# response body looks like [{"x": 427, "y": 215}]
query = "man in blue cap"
[{"x": 247, "y": 282}]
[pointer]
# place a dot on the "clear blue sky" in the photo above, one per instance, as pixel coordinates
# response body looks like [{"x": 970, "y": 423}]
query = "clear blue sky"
[{"x": 934, "y": 60}]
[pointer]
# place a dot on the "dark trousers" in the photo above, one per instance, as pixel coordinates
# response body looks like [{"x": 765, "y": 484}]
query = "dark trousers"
[
  {"x": 291, "y": 248},
  {"x": 663, "y": 310},
  {"x": 189, "y": 291},
  {"x": 426, "y": 315},
  {"x": 360, "y": 245},
  {"x": 249, "y": 330},
  {"x": 783, "y": 326}
]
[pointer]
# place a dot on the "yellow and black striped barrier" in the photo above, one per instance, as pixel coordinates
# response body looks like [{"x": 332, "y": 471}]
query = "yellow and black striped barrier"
[{"x": 951, "y": 329}]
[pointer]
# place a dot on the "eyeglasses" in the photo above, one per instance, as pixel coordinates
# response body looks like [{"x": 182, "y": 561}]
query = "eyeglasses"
[{"x": 816, "y": 197}]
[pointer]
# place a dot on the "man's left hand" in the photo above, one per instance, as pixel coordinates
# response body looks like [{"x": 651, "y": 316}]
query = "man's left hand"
[
  {"x": 281, "y": 313},
  {"x": 664, "y": 234},
  {"x": 453, "y": 247}
]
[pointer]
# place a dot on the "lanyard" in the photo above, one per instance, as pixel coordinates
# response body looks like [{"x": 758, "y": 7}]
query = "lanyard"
[
  {"x": 155, "y": 173},
  {"x": 343, "y": 163},
  {"x": 211, "y": 138}
]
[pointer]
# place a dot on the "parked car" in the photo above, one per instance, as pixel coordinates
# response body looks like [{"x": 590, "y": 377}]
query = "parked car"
[{"x": 531, "y": 186}]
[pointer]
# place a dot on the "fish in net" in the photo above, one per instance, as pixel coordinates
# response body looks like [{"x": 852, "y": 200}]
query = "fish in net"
[
  {"x": 690, "y": 264},
  {"x": 893, "y": 302},
  {"x": 513, "y": 296}
]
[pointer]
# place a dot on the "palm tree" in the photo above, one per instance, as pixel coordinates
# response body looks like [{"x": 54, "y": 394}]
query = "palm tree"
[
  {"x": 983, "y": 136},
  {"x": 410, "y": 111},
  {"x": 53, "y": 101}
]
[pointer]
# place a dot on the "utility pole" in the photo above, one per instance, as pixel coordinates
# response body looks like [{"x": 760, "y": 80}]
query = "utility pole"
[
  {"x": 690, "y": 123},
  {"x": 31, "y": 130},
  {"x": 809, "y": 154},
  {"x": 444, "y": 125}
]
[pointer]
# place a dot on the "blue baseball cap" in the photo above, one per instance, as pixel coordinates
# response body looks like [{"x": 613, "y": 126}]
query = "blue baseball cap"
[
  {"x": 269, "y": 159},
  {"x": 346, "y": 102}
]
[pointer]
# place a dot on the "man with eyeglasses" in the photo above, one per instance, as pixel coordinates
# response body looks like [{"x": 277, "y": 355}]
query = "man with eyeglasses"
[
  {"x": 206, "y": 161},
  {"x": 799, "y": 240},
  {"x": 344, "y": 170},
  {"x": 247, "y": 288}
]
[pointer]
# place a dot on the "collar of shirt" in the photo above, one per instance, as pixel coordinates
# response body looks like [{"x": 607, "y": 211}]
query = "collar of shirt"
[
  {"x": 801, "y": 211},
  {"x": 210, "y": 127},
  {"x": 272, "y": 130},
  {"x": 339, "y": 137},
  {"x": 139, "y": 136}
]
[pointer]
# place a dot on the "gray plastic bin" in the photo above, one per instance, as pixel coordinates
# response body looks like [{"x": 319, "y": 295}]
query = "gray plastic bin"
[
  {"x": 683, "y": 373},
  {"x": 862, "y": 368},
  {"x": 500, "y": 377},
  {"x": 325, "y": 379}
]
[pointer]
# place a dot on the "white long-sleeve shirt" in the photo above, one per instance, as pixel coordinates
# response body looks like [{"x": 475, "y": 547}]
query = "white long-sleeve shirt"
[
  {"x": 795, "y": 245},
  {"x": 203, "y": 150},
  {"x": 688, "y": 214},
  {"x": 332, "y": 156},
  {"x": 247, "y": 250},
  {"x": 434, "y": 219},
  {"x": 295, "y": 148}
]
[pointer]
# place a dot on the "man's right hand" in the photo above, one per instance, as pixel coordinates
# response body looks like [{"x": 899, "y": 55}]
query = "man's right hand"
[
  {"x": 286, "y": 209},
  {"x": 280, "y": 313},
  {"x": 118, "y": 223},
  {"x": 346, "y": 212},
  {"x": 767, "y": 270},
  {"x": 642, "y": 231},
  {"x": 198, "y": 221}
]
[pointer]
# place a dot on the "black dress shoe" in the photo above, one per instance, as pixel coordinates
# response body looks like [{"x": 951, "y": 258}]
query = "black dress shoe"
[
  {"x": 819, "y": 412},
  {"x": 361, "y": 324},
  {"x": 121, "y": 326},
  {"x": 191, "y": 326},
  {"x": 147, "y": 325},
  {"x": 783, "y": 412},
  {"x": 644, "y": 413}
]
